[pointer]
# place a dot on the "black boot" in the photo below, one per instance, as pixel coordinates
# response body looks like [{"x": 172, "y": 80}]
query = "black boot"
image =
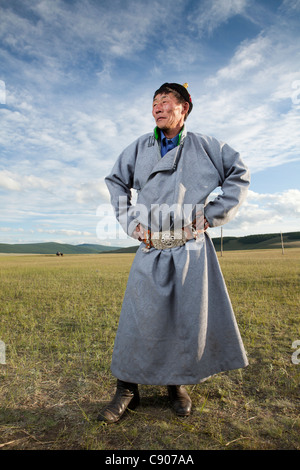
[
  {"x": 126, "y": 396},
  {"x": 182, "y": 404}
]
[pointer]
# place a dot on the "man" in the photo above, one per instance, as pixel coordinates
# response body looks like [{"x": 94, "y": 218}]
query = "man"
[{"x": 176, "y": 325}]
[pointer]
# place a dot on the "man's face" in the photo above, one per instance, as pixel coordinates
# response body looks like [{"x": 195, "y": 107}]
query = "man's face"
[{"x": 167, "y": 112}]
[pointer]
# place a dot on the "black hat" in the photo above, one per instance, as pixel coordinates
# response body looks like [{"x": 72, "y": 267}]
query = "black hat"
[{"x": 181, "y": 89}]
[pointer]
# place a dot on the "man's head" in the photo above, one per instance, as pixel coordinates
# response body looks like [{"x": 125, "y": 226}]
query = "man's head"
[
  {"x": 171, "y": 105},
  {"x": 179, "y": 91}
]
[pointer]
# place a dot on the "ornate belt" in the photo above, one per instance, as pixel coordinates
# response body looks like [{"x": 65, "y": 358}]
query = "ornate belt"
[{"x": 168, "y": 239}]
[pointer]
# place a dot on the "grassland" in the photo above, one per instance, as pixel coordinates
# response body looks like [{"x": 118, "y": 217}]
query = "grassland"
[{"x": 58, "y": 318}]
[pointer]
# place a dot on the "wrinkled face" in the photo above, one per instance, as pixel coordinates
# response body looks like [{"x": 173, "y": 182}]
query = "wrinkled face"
[{"x": 168, "y": 112}]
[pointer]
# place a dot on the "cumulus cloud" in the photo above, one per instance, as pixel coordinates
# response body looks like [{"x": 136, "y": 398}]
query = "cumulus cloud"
[
  {"x": 16, "y": 182},
  {"x": 8, "y": 182},
  {"x": 263, "y": 213}
]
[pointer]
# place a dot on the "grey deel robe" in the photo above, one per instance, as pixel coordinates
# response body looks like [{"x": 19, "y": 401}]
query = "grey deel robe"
[{"x": 177, "y": 325}]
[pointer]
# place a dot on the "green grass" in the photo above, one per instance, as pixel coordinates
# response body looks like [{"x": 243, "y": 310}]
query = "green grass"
[{"x": 58, "y": 319}]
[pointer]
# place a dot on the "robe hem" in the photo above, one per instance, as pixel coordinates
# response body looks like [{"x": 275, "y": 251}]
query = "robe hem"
[{"x": 183, "y": 381}]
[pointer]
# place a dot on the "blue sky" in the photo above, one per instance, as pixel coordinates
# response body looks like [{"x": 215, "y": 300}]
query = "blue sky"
[{"x": 76, "y": 86}]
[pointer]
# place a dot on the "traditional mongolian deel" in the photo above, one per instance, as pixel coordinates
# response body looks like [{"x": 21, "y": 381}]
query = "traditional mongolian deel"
[{"x": 177, "y": 325}]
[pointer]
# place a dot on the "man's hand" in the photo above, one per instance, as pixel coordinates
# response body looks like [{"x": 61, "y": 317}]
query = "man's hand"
[
  {"x": 200, "y": 224},
  {"x": 139, "y": 233}
]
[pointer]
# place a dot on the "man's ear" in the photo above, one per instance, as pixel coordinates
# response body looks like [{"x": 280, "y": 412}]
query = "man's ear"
[{"x": 185, "y": 107}]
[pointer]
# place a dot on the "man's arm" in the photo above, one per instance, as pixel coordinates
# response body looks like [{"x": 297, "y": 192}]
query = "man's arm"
[
  {"x": 234, "y": 188},
  {"x": 119, "y": 184}
]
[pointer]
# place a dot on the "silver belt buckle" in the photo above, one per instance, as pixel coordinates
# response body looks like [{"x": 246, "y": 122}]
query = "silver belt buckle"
[{"x": 168, "y": 239}]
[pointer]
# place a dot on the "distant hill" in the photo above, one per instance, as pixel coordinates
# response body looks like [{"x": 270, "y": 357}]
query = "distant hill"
[
  {"x": 255, "y": 242},
  {"x": 249, "y": 242},
  {"x": 52, "y": 248}
]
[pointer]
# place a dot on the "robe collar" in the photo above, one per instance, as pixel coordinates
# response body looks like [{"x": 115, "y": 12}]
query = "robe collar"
[
  {"x": 181, "y": 135},
  {"x": 171, "y": 159}
]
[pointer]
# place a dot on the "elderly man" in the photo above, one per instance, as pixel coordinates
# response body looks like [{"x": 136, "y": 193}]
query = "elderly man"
[{"x": 177, "y": 326}]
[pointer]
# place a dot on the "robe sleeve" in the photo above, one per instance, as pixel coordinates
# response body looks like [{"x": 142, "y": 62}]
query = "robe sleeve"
[
  {"x": 235, "y": 179},
  {"x": 119, "y": 184}
]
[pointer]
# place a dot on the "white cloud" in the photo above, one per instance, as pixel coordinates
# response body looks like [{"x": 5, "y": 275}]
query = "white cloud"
[
  {"x": 263, "y": 213},
  {"x": 249, "y": 56},
  {"x": 67, "y": 233},
  {"x": 210, "y": 15},
  {"x": 15, "y": 182},
  {"x": 7, "y": 181},
  {"x": 56, "y": 26},
  {"x": 250, "y": 103},
  {"x": 92, "y": 192}
]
